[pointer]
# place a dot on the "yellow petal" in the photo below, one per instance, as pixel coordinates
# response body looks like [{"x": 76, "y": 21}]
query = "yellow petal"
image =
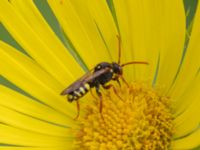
[
  {"x": 134, "y": 27},
  {"x": 33, "y": 148},
  {"x": 150, "y": 32},
  {"x": 29, "y": 29},
  {"x": 187, "y": 98},
  {"x": 189, "y": 142},
  {"x": 188, "y": 119},
  {"x": 31, "y": 107},
  {"x": 27, "y": 75},
  {"x": 17, "y": 136},
  {"x": 81, "y": 30},
  {"x": 102, "y": 16},
  {"x": 191, "y": 63},
  {"x": 125, "y": 28},
  {"x": 187, "y": 122},
  {"x": 172, "y": 41},
  {"x": 20, "y": 120}
]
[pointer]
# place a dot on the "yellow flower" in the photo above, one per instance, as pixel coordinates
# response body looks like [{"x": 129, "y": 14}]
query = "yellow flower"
[{"x": 159, "y": 109}]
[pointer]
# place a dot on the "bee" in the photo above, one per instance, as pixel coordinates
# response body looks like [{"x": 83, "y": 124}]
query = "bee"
[{"x": 100, "y": 75}]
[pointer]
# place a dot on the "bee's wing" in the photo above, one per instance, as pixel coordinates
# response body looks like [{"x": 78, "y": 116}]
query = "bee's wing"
[
  {"x": 89, "y": 76},
  {"x": 96, "y": 74},
  {"x": 76, "y": 84}
]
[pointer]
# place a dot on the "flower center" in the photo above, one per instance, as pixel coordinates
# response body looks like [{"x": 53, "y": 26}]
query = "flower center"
[{"x": 136, "y": 118}]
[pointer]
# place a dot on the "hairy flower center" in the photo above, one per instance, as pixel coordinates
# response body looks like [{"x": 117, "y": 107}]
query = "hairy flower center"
[{"x": 136, "y": 118}]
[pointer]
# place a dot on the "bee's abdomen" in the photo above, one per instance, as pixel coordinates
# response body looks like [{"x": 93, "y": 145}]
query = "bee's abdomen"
[{"x": 81, "y": 91}]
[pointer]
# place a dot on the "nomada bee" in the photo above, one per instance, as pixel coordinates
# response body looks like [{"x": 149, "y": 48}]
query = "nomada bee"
[{"x": 100, "y": 75}]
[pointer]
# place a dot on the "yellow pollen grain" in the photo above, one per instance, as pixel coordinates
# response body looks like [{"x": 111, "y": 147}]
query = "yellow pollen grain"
[{"x": 142, "y": 121}]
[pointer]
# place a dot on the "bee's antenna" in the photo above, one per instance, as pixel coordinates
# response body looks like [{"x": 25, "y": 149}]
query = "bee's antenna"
[
  {"x": 135, "y": 62},
  {"x": 119, "y": 49}
]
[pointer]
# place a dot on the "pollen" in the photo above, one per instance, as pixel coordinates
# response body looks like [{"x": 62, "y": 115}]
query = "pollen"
[{"x": 137, "y": 118}]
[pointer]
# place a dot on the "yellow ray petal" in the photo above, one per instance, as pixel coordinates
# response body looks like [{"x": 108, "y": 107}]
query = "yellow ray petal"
[
  {"x": 31, "y": 31},
  {"x": 102, "y": 16},
  {"x": 16, "y": 136},
  {"x": 191, "y": 63},
  {"x": 14, "y": 118},
  {"x": 81, "y": 33},
  {"x": 148, "y": 30},
  {"x": 172, "y": 41},
  {"x": 141, "y": 42},
  {"x": 188, "y": 121},
  {"x": 125, "y": 28},
  {"x": 190, "y": 142},
  {"x": 187, "y": 98},
  {"x": 26, "y": 74},
  {"x": 31, "y": 107},
  {"x": 34, "y": 148}
]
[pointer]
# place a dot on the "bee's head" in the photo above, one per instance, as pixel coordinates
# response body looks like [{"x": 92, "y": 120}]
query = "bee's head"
[{"x": 117, "y": 69}]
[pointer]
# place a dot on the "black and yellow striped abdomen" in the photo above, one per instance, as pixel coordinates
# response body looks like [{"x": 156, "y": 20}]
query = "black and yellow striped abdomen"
[{"x": 78, "y": 93}]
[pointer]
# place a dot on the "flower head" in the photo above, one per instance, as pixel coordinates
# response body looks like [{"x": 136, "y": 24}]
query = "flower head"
[
  {"x": 157, "y": 110},
  {"x": 138, "y": 119}
]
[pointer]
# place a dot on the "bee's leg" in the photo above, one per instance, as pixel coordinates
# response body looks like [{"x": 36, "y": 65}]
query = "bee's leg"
[
  {"x": 124, "y": 81},
  {"x": 100, "y": 97},
  {"x": 117, "y": 79},
  {"x": 118, "y": 82},
  {"x": 101, "y": 101},
  {"x": 78, "y": 109},
  {"x": 114, "y": 89}
]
